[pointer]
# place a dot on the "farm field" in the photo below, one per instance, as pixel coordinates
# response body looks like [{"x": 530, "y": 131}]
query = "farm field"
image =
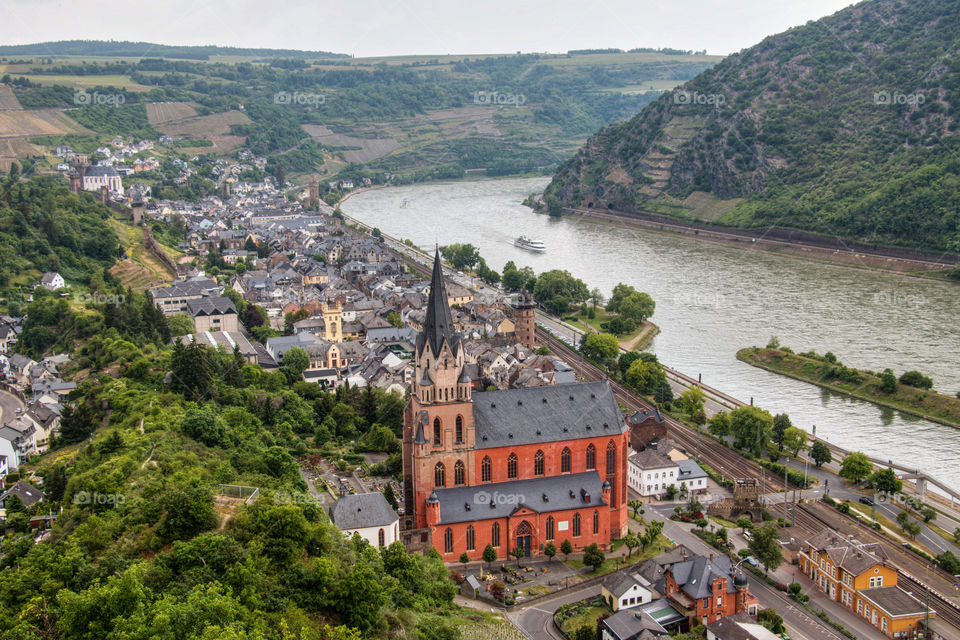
[
  {"x": 7, "y": 98},
  {"x": 37, "y": 122},
  {"x": 164, "y": 112},
  {"x": 88, "y": 82}
]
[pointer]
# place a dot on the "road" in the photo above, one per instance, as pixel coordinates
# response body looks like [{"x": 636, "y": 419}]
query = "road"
[{"x": 9, "y": 404}]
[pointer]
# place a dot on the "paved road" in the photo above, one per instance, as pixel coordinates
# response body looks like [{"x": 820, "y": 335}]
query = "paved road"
[{"x": 9, "y": 404}]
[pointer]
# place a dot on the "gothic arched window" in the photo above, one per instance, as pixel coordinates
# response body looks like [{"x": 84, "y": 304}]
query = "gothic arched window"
[
  {"x": 512, "y": 466},
  {"x": 538, "y": 464},
  {"x": 485, "y": 469},
  {"x": 440, "y": 475},
  {"x": 591, "y": 457},
  {"x": 565, "y": 460},
  {"x": 459, "y": 473}
]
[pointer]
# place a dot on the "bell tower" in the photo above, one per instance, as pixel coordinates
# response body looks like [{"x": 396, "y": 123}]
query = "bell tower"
[{"x": 438, "y": 428}]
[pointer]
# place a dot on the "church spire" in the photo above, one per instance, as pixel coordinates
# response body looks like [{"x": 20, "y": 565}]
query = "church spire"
[{"x": 438, "y": 324}]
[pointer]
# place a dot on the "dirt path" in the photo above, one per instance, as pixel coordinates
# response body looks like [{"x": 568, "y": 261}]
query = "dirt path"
[{"x": 642, "y": 339}]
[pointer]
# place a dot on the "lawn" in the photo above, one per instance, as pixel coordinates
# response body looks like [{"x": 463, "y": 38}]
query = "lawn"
[{"x": 611, "y": 564}]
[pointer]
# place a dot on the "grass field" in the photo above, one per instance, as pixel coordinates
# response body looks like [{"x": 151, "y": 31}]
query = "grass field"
[
  {"x": 214, "y": 127},
  {"x": 140, "y": 270},
  {"x": 37, "y": 122},
  {"x": 7, "y": 98},
  {"x": 920, "y": 402}
]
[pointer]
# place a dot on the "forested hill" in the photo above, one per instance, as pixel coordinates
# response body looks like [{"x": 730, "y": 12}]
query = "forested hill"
[
  {"x": 45, "y": 227},
  {"x": 151, "y": 50},
  {"x": 845, "y": 126}
]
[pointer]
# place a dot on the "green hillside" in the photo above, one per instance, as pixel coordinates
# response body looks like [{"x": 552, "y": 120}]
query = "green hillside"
[{"x": 846, "y": 126}]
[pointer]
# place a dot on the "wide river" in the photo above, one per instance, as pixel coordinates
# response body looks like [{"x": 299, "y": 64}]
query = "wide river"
[{"x": 712, "y": 300}]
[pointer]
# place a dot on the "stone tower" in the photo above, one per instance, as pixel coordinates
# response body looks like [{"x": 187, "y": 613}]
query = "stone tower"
[
  {"x": 524, "y": 316},
  {"x": 332, "y": 321},
  {"x": 438, "y": 420},
  {"x": 313, "y": 201}
]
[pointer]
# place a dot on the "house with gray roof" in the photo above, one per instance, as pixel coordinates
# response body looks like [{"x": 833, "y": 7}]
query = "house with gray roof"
[{"x": 368, "y": 515}]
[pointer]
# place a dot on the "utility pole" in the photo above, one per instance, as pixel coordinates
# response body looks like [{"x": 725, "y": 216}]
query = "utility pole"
[{"x": 698, "y": 443}]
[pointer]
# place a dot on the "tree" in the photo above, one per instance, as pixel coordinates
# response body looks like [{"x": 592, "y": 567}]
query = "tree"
[
  {"x": 596, "y": 296},
  {"x": 637, "y": 307},
  {"x": 886, "y": 481},
  {"x": 550, "y": 550},
  {"x": 566, "y": 548},
  {"x": 294, "y": 362},
  {"x": 585, "y": 632},
  {"x": 632, "y": 543},
  {"x": 188, "y": 510},
  {"x": 888, "y": 381},
  {"x": 513, "y": 279},
  {"x": 701, "y": 523},
  {"x": 692, "y": 400},
  {"x": 496, "y": 589},
  {"x": 949, "y": 562},
  {"x": 820, "y": 453},
  {"x": 635, "y": 505},
  {"x": 912, "y": 529},
  {"x": 489, "y": 554},
  {"x": 461, "y": 256},
  {"x": 663, "y": 393},
  {"x": 464, "y": 558},
  {"x": 645, "y": 376},
  {"x": 794, "y": 439},
  {"x": 394, "y": 319},
  {"x": 751, "y": 427},
  {"x": 781, "y": 422},
  {"x": 204, "y": 425},
  {"x": 554, "y": 206},
  {"x": 557, "y": 289},
  {"x": 902, "y": 517},
  {"x": 180, "y": 324},
  {"x": 719, "y": 424},
  {"x": 694, "y": 505},
  {"x": 517, "y": 552},
  {"x": 390, "y": 497},
  {"x": 765, "y": 545},
  {"x": 600, "y": 347},
  {"x": 916, "y": 379},
  {"x": 620, "y": 292},
  {"x": 855, "y": 466},
  {"x": 771, "y": 620},
  {"x": 625, "y": 360},
  {"x": 928, "y": 513},
  {"x": 744, "y": 523},
  {"x": 593, "y": 556}
]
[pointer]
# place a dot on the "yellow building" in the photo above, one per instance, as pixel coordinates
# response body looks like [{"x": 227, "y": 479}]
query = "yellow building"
[{"x": 861, "y": 577}]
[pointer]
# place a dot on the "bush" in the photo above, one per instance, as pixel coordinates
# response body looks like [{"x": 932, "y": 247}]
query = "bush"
[{"x": 916, "y": 379}]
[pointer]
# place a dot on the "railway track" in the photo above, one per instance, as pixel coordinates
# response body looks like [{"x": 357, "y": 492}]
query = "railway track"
[{"x": 721, "y": 459}]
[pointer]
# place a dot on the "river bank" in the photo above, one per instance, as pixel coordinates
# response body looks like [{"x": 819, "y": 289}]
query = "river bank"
[
  {"x": 863, "y": 385},
  {"x": 777, "y": 241}
]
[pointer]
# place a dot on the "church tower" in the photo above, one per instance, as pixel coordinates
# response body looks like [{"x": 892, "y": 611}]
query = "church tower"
[
  {"x": 438, "y": 427},
  {"x": 524, "y": 319}
]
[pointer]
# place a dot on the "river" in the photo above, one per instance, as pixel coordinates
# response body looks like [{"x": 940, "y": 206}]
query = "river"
[{"x": 713, "y": 300}]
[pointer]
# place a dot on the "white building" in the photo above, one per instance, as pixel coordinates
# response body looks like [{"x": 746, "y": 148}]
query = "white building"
[
  {"x": 650, "y": 472},
  {"x": 102, "y": 176},
  {"x": 369, "y": 515},
  {"x": 623, "y": 591},
  {"x": 691, "y": 476},
  {"x": 52, "y": 281}
]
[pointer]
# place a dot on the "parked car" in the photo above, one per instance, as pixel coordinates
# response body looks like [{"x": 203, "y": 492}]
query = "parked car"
[{"x": 866, "y": 500}]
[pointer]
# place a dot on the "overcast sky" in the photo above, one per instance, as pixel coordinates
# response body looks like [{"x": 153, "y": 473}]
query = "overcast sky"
[{"x": 385, "y": 27}]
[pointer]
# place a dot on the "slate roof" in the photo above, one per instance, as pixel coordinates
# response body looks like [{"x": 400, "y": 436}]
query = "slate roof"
[
  {"x": 101, "y": 170},
  {"x": 211, "y": 306},
  {"x": 499, "y": 499},
  {"x": 740, "y": 627},
  {"x": 362, "y": 510},
  {"x": 438, "y": 325},
  {"x": 28, "y": 493},
  {"x": 631, "y": 624},
  {"x": 620, "y": 583},
  {"x": 690, "y": 470},
  {"x": 695, "y": 577},
  {"x": 546, "y": 414},
  {"x": 850, "y": 555},
  {"x": 651, "y": 459}
]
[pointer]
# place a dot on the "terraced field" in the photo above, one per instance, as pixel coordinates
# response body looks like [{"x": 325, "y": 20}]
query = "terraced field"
[
  {"x": 7, "y": 98},
  {"x": 166, "y": 112},
  {"x": 358, "y": 149},
  {"x": 214, "y": 127}
]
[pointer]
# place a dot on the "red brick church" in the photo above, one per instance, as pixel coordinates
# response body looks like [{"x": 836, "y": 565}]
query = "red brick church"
[{"x": 513, "y": 468}]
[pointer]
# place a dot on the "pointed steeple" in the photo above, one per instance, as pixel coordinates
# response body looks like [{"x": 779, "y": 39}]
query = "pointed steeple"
[{"x": 438, "y": 324}]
